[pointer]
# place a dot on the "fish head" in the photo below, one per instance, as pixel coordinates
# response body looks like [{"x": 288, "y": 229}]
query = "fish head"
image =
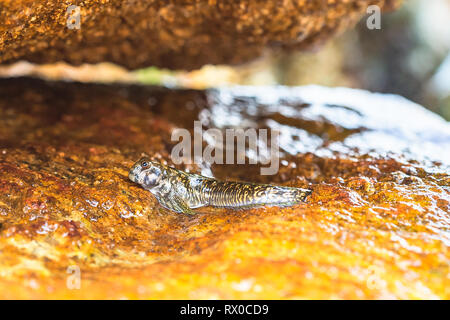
[{"x": 145, "y": 172}]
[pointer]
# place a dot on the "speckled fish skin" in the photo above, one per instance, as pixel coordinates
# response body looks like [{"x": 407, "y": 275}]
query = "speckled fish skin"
[{"x": 181, "y": 192}]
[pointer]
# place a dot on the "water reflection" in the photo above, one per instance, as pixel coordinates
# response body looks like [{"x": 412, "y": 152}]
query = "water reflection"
[{"x": 319, "y": 120}]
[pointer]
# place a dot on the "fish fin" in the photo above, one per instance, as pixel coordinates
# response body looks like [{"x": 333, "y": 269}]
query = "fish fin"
[{"x": 182, "y": 205}]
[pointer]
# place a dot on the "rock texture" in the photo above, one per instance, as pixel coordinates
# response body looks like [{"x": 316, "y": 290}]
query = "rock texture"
[
  {"x": 176, "y": 34},
  {"x": 376, "y": 226}
]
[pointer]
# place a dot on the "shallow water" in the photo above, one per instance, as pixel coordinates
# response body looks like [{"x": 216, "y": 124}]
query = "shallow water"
[{"x": 376, "y": 226}]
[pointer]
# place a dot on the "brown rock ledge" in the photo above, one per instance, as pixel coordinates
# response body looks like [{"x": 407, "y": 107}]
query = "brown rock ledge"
[
  {"x": 176, "y": 34},
  {"x": 376, "y": 226}
]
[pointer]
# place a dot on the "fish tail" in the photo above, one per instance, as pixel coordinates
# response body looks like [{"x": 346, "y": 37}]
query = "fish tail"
[
  {"x": 288, "y": 195},
  {"x": 301, "y": 194}
]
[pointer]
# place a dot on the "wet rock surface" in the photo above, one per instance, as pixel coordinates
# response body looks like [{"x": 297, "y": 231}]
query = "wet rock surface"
[
  {"x": 376, "y": 226},
  {"x": 173, "y": 34}
]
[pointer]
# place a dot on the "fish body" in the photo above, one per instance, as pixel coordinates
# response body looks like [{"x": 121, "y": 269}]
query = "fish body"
[{"x": 181, "y": 192}]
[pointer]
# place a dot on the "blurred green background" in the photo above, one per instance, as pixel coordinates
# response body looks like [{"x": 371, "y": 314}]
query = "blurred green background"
[{"x": 409, "y": 56}]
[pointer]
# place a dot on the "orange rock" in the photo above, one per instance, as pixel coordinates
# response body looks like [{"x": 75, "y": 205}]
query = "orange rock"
[
  {"x": 376, "y": 226},
  {"x": 177, "y": 34}
]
